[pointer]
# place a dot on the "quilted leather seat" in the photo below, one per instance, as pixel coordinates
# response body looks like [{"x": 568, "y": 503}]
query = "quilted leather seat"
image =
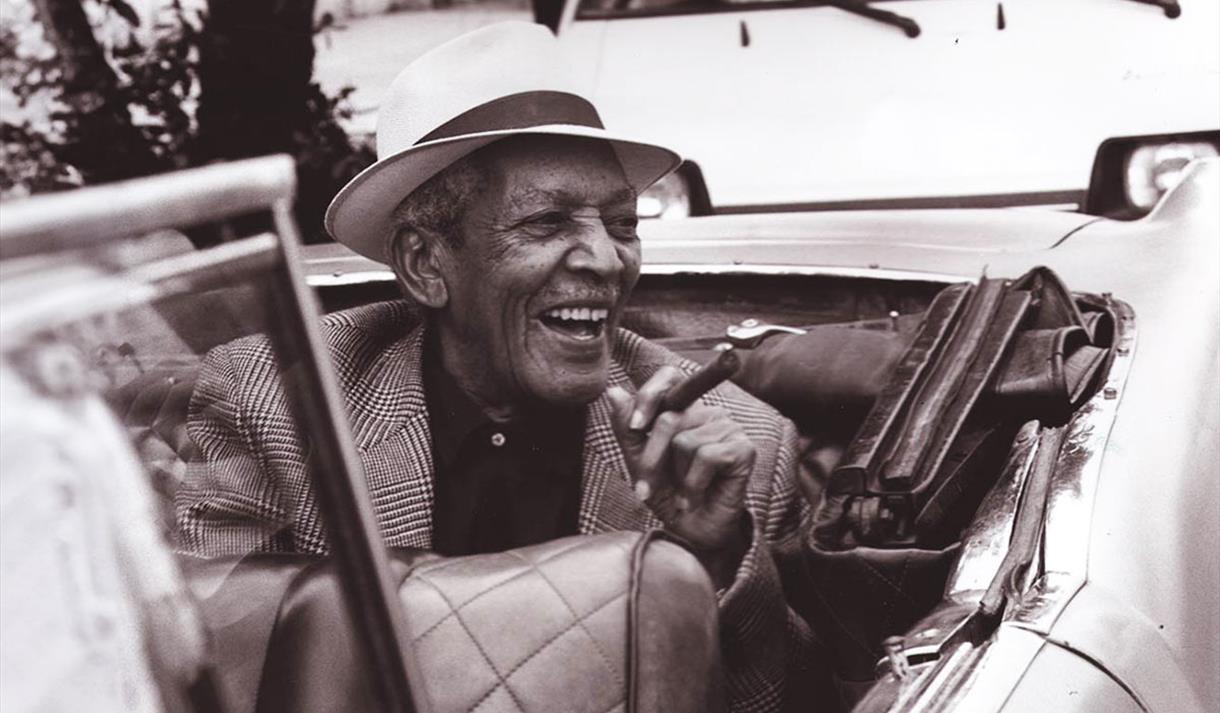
[{"x": 615, "y": 623}]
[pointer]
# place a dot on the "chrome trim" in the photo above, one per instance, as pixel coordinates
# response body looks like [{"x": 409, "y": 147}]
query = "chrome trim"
[
  {"x": 744, "y": 268},
  {"x": 750, "y": 333},
  {"x": 89, "y": 217},
  {"x": 991, "y": 672},
  {"x": 895, "y": 652},
  {"x": 1069, "y": 510},
  {"x": 339, "y": 277},
  {"x": 986, "y": 541}
]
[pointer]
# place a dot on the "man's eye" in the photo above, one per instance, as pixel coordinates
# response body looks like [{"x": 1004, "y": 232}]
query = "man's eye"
[
  {"x": 550, "y": 219},
  {"x": 624, "y": 225}
]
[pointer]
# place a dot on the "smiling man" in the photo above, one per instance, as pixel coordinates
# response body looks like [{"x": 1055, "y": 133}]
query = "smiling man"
[{"x": 500, "y": 404}]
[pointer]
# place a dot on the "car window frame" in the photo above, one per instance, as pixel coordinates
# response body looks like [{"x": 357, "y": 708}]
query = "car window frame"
[{"x": 44, "y": 230}]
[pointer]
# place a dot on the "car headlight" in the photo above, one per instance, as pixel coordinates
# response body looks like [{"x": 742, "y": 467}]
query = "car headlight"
[
  {"x": 667, "y": 198},
  {"x": 1130, "y": 174}
]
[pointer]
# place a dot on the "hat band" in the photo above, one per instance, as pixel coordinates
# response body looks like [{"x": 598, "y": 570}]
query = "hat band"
[{"x": 519, "y": 111}]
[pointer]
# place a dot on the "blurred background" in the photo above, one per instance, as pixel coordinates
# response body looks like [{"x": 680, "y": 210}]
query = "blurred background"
[
  {"x": 93, "y": 91},
  {"x": 777, "y": 105}
]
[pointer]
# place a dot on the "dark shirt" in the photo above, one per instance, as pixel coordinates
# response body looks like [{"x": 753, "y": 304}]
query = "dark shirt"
[{"x": 499, "y": 485}]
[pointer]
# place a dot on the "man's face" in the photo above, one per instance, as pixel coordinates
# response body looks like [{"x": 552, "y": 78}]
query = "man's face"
[{"x": 548, "y": 258}]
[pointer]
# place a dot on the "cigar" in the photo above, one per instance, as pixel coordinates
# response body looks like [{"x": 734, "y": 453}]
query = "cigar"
[{"x": 681, "y": 395}]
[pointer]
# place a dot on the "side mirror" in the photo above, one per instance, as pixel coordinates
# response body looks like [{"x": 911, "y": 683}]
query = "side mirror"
[
  {"x": 1131, "y": 173},
  {"x": 681, "y": 194},
  {"x": 548, "y": 12}
]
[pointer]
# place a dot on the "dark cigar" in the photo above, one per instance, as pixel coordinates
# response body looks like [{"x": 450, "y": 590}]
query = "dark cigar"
[{"x": 717, "y": 371}]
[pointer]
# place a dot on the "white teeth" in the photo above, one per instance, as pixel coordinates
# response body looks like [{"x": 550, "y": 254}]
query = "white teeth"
[{"x": 583, "y": 314}]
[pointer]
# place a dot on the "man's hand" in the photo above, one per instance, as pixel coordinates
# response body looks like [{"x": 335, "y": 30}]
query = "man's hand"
[{"x": 691, "y": 468}]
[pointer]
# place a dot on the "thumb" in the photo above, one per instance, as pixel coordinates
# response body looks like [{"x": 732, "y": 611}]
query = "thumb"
[{"x": 622, "y": 404}]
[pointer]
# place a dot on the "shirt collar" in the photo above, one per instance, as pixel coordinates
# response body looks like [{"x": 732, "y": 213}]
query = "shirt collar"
[{"x": 455, "y": 416}]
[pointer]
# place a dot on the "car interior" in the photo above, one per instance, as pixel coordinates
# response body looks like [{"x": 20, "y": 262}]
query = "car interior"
[
  {"x": 910, "y": 396},
  {"x": 838, "y": 355}
]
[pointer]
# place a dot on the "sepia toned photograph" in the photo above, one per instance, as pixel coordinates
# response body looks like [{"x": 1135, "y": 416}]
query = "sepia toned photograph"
[{"x": 610, "y": 356}]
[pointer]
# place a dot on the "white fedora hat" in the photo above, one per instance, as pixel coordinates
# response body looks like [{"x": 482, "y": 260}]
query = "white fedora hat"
[{"x": 501, "y": 80}]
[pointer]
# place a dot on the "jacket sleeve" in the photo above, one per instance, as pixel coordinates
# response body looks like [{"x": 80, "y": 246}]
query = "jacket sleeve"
[
  {"x": 229, "y": 503},
  {"x": 768, "y": 649}
]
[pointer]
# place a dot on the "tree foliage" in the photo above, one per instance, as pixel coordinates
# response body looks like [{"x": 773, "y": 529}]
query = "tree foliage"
[{"x": 91, "y": 96}]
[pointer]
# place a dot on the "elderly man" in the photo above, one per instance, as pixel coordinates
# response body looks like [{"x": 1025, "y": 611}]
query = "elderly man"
[{"x": 500, "y": 405}]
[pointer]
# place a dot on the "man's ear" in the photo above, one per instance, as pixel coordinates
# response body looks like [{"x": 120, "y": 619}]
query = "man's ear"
[{"x": 418, "y": 261}]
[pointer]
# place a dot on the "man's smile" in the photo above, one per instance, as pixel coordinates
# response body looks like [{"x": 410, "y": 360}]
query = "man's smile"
[{"x": 580, "y": 322}]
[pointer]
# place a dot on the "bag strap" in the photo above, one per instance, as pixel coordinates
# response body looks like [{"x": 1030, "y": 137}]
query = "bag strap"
[{"x": 633, "y": 613}]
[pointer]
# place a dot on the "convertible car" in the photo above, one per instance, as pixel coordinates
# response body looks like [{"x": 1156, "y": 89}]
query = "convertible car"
[{"x": 1017, "y": 509}]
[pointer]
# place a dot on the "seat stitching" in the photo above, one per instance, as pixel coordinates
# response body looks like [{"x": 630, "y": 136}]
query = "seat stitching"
[
  {"x": 541, "y": 647},
  {"x": 430, "y": 567},
  {"x": 503, "y": 677},
  {"x": 583, "y": 543},
  {"x": 544, "y": 645},
  {"x": 881, "y": 576},
  {"x": 482, "y": 652},
  {"x": 580, "y": 621},
  {"x": 423, "y": 576}
]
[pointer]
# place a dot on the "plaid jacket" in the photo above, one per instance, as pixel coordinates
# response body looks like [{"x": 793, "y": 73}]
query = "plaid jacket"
[{"x": 250, "y": 492}]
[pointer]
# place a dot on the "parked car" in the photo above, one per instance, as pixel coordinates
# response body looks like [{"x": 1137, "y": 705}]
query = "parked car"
[
  {"x": 1082, "y": 576},
  {"x": 813, "y": 105}
]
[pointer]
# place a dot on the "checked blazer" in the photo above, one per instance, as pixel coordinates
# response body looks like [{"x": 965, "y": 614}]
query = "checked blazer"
[{"x": 250, "y": 491}]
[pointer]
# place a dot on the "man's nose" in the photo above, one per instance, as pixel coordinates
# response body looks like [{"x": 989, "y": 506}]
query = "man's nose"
[{"x": 595, "y": 251}]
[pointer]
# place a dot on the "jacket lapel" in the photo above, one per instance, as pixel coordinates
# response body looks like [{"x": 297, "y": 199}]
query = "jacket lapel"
[
  {"x": 608, "y": 499},
  {"x": 390, "y": 425}
]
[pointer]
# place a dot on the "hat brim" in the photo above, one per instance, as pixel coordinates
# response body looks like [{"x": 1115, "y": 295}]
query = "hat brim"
[{"x": 360, "y": 215}]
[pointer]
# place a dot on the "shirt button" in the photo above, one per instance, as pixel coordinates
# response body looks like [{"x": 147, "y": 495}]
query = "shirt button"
[{"x": 498, "y": 439}]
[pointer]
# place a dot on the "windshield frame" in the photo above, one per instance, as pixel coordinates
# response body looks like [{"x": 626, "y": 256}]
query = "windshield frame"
[{"x": 54, "y": 242}]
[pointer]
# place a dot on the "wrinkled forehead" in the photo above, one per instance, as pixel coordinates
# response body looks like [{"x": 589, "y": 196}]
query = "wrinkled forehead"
[{"x": 563, "y": 169}]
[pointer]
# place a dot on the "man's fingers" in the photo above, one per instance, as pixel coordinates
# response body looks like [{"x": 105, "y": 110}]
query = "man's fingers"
[
  {"x": 715, "y": 458},
  {"x": 660, "y": 457},
  {"x": 648, "y": 398},
  {"x": 669, "y": 426},
  {"x": 622, "y": 404},
  {"x": 688, "y": 441}
]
